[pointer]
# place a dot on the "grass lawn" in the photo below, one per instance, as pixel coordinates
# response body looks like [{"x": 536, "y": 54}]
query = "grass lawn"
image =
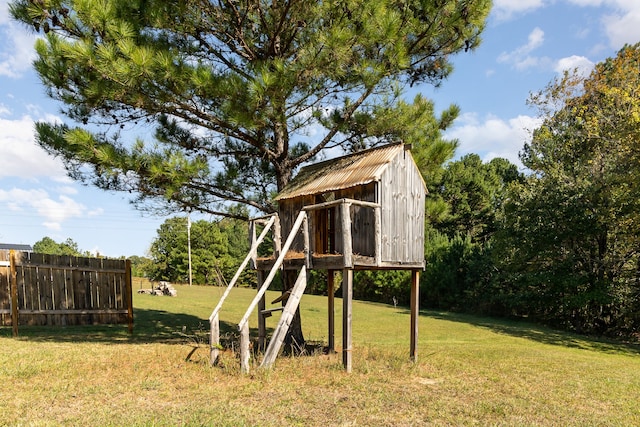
[{"x": 471, "y": 371}]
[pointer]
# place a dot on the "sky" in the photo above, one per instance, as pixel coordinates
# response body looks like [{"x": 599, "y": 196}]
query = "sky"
[{"x": 526, "y": 44}]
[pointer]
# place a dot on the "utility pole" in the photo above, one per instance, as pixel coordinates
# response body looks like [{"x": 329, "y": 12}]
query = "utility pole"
[{"x": 189, "y": 244}]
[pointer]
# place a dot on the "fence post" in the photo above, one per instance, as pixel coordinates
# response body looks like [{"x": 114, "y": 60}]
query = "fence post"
[{"x": 13, "y": 285}]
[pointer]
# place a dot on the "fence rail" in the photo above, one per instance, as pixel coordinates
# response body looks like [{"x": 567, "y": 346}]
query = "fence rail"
[{"x": 41, "y": 289}]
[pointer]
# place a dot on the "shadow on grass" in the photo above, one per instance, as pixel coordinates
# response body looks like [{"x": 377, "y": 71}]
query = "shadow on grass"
[
  {"x": 542, "y": 334},
  {"x": 154, "y": 326},
  {"x": 150, "y": 326}
]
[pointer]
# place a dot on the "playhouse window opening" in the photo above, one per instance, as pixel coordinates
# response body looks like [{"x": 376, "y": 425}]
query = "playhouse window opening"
[{"x": 325, "y": 230}]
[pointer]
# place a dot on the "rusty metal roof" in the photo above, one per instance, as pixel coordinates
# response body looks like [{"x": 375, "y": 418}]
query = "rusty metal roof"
[{"x": 348, "y": 171}]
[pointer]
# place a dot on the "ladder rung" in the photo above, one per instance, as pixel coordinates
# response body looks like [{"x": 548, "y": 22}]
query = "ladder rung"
[{"x": 267, "y": 312}]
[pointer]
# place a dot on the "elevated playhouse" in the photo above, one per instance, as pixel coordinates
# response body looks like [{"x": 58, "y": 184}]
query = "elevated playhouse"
[{"x": 364, "y": 211}]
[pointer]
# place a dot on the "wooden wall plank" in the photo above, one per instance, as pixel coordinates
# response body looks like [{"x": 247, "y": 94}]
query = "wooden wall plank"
[
  {"x": 57, "y": 287},
  {"x": 28, "y": 287},
  {"x": 14, "y": 293}
]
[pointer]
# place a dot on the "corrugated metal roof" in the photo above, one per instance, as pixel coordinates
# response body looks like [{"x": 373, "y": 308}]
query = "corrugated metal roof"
[{"x": 343, "y": 172}]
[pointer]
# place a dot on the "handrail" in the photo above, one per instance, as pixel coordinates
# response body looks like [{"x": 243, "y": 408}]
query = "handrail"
[
  {"x": 285, "y": 248},
  {"x": 332, "y": 203},
  {"x": 252, "y": 252}
]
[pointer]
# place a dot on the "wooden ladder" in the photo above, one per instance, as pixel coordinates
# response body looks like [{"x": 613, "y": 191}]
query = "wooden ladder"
[
  {"x": 243, "y": 326},
  {"x": 285, "y": 320}
]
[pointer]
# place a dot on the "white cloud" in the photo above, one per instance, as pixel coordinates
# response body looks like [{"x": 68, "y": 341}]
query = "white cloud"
[
  {"x": 623, "y": 27},
  {"x": 535, "y": 40},
  {"x": 581, "y": 63},
  {"x": 620, "y": 18},
  {"x": 582, "y": 33},
  {"x": 95, "y": 212},
  {"x": 493, "y": 137},
  {"x": 521, "y": 59},
  {"x": 52, "y": 225},
  {"x": 67, "y": 189},
  {"x": 506, "y": 9},
  {"x": 16, "y": 51},
  {"x": 622, "y": 24},
  {"x": 587, "y": 2},
  {"x": 53, "y": 211},
  {"x": 21, "y": 156},
  {"x": 4, "y": 12}
]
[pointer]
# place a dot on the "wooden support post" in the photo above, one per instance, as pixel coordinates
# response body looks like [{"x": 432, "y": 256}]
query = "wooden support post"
[
  {"x": 262, "y": 319},
  {"x": 415, "y": 311},
  {"x": 244, "y": 348},
  {"x": 214, "y": 339},
  {"x": 128, "y": 284},
  {"x": 378, "y": 234},
  {"x": 306, "y": 238},
  {"x": 347, "y": 296},
  {"x": 331, "y": 323},
  {"x": 13, "y": 285},
  {"x": 347, "y": 248}
]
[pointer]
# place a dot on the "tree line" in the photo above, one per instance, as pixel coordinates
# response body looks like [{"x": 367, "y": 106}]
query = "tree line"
[{"x": 559, "y": 244}]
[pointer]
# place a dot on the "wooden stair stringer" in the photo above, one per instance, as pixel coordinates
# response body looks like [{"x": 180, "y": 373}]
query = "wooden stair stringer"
[{"x": 285, "y": 320}]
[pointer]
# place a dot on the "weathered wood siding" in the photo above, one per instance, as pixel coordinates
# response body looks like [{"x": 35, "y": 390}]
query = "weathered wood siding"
[
  {"x": 288, "y": 212},
  {"x": 66, "y": 290},
  {"x": 402, "y": 196}
]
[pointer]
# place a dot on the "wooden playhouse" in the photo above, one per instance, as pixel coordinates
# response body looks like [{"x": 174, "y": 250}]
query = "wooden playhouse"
[{"x": 363, "y": 211}]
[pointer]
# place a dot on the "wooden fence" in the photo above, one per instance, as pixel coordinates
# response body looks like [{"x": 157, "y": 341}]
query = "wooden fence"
[{"x": 40, "y": 289}]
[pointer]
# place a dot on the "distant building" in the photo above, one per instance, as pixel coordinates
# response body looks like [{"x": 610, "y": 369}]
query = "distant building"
[{"x": 15, "y": 247}]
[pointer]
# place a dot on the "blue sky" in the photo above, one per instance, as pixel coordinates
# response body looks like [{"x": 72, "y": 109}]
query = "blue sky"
[{"x": 526, "y": 44}]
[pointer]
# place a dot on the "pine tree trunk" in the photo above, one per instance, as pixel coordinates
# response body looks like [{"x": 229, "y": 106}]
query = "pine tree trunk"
[{"x": 294, "y": 342}]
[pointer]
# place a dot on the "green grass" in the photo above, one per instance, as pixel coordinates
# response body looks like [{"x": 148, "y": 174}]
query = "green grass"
[{"x": 470, "y": 371}]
